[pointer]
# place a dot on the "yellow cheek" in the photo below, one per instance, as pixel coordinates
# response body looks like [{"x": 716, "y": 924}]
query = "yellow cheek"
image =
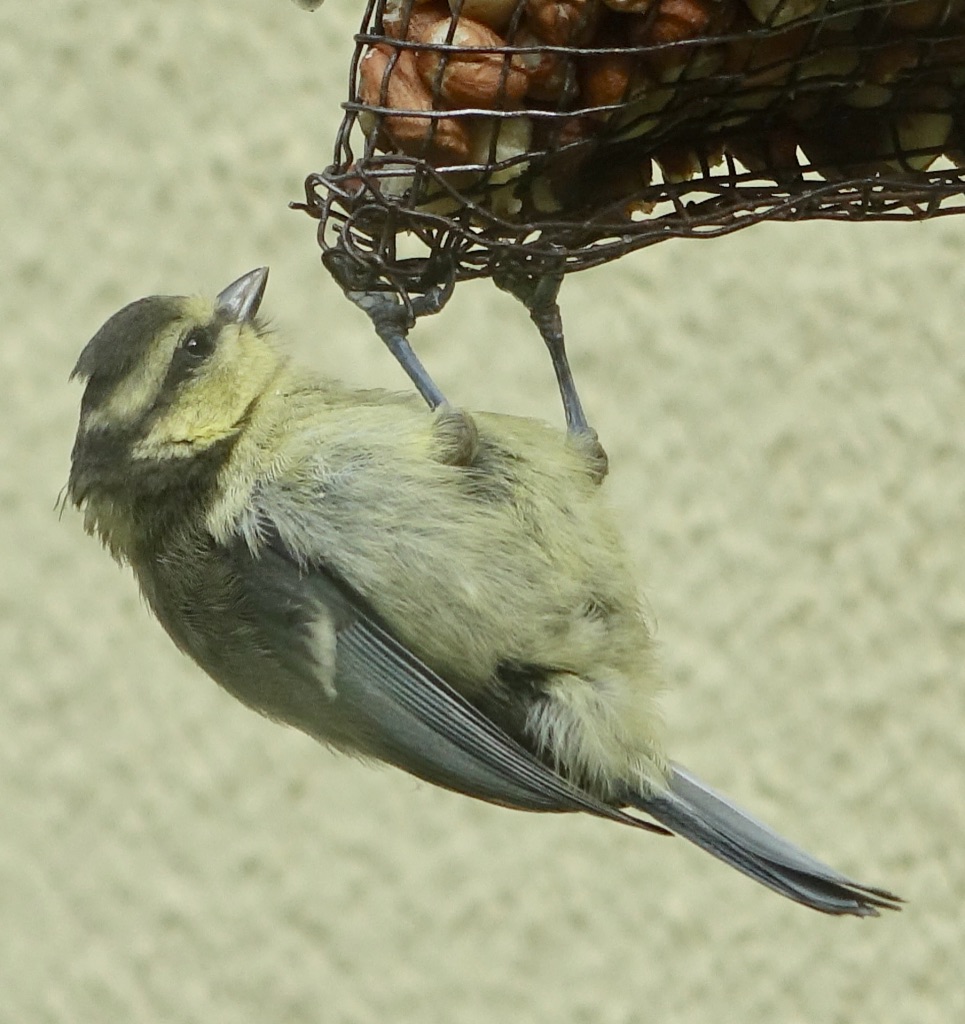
[{"x": 211, "y": 407}]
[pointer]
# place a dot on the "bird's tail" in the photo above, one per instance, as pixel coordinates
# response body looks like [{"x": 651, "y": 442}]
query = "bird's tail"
[{"x": 691, "y": 809}]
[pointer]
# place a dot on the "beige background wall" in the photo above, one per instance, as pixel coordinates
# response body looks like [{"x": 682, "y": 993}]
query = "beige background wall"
[{"x": 784, "y": 412}]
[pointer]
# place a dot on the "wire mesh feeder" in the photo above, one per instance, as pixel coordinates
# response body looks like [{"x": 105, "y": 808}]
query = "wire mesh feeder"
[{"x": 522, "y": 139}]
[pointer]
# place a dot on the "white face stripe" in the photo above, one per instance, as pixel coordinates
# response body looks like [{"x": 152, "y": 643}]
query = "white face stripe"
[{"x": 139, "y": 390}]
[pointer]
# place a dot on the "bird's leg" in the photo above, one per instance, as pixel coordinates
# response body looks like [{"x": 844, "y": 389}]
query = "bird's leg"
[
  {"x": 539, "y": 295},
  {"x": 392, "y": 321}
]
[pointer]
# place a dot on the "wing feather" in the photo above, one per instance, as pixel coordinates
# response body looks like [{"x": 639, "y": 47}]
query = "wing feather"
[{"x": 397, "y": 708}]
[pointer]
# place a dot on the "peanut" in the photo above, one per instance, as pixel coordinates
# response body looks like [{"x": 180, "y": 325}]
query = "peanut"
[
  {"x": 471, "y": 77},
  {"x": 399, "y": 87}
]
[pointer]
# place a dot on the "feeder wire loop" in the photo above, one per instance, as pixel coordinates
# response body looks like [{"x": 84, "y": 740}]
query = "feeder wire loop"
[{"x": 558, "y": 135}]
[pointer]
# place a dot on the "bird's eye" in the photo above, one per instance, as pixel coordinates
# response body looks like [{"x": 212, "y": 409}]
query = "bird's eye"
[{"x": 198, "y": 343}]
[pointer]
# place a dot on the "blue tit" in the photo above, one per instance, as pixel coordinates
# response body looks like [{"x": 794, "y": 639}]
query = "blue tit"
[{"x": 442, "y": 591}]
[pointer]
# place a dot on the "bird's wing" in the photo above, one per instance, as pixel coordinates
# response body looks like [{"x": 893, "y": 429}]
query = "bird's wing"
[{"x": 400, "y": 710}]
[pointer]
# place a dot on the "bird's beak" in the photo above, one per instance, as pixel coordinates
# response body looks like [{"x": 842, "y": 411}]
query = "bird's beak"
[{"x": 239, "y": 302}]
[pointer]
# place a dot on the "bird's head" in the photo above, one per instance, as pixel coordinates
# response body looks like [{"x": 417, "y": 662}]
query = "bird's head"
[{"x": 170, "y": 382}]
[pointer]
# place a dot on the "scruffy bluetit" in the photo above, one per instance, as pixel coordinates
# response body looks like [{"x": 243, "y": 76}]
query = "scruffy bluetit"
[{"x": 442, "y": 591}]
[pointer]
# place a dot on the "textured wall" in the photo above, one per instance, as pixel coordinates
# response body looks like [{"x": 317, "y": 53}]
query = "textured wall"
[{"x": 784, "y": 413}]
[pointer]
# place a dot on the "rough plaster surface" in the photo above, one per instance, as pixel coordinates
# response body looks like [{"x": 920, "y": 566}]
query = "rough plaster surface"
[{"x": 784, "y": 413}]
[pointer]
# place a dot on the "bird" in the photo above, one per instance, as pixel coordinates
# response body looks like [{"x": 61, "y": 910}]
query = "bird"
[{"x": 442, "y": 591}]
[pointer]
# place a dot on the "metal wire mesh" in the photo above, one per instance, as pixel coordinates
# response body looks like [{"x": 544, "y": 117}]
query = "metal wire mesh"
[{"x": 567, "y": 132}]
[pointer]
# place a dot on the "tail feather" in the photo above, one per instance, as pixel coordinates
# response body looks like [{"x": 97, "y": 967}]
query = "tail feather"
[{"x": 694, "y": 811}]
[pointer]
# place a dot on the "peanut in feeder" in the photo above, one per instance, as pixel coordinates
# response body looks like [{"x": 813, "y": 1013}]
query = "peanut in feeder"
[{"x": 524, "y": 139}]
